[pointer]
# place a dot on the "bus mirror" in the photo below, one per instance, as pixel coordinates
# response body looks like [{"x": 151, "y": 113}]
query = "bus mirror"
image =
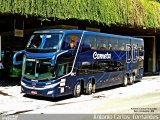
[{"x": 18, "y": 57}]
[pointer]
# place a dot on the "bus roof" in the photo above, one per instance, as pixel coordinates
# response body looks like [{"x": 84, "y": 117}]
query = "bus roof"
[
  {"x": 59, "y": 31},
  {"x": 81, "y": 31}
]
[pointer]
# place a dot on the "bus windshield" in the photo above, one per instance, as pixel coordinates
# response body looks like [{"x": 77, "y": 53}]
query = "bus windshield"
[
  {"x": 44, "y": 41},
  {"x": 40, "y": 69}
]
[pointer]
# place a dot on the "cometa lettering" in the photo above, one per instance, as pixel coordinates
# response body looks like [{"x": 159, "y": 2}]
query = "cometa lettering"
[{"x": 101, "y": 56}]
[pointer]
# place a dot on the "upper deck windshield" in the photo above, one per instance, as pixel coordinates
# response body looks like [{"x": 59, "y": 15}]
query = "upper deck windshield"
[{"x": 44, "y": 41}]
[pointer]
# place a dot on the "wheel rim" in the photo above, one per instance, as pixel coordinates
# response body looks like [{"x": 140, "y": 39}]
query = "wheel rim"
[
  {"x": 134, "y": 77},
  {"x": 125, "y": 81},
  {"x": 131, "y": 79},
  {"x": 90, "y": 87},
  {"x": 78, "y": 89}
]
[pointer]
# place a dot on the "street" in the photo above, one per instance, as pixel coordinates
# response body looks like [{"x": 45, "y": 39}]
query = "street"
[{"x": 141, "y": 97}]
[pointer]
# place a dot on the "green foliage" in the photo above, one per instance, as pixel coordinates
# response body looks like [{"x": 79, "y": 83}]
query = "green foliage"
[{"x": 118, "y": 12}]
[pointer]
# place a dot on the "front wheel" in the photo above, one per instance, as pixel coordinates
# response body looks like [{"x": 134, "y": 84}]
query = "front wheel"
[{"x": 77, "y": 90}]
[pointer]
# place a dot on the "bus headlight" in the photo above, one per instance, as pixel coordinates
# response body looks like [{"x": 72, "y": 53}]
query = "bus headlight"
[{"x": 50, "y": 92}]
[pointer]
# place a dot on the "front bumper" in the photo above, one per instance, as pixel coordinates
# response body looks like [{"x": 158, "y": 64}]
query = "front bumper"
[{"x": 46, "y": 91}]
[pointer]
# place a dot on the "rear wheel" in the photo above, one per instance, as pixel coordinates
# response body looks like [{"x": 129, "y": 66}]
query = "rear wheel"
[
  {"x": 77, "y": 90},
  {"x": 89, "y": 88},
  {"x": 125, "y": 81},
  {"x": 94, "y": 88},
  {"x": 131, "y": 79}
]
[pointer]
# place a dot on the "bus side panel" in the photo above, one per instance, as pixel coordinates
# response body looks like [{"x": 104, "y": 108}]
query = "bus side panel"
[{"x": 106, "y": 72}]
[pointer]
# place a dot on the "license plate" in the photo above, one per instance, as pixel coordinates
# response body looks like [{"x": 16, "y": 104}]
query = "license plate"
[{"x": 34, "y": 92}]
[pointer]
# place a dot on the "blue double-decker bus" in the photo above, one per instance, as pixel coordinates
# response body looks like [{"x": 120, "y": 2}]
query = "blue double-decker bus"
[{"x": 63, "y": 62}]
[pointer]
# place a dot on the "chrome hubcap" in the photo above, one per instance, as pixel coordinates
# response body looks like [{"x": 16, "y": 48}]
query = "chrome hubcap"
[
  {"x": 90, "y": 86},
  {"x": 78, "y": 89},
  {"x": 125, "y": 81},
  {"x": 131, "y": 78}
]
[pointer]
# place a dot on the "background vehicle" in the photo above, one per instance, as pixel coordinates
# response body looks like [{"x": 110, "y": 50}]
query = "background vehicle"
[{"x": 51, "y": 68}]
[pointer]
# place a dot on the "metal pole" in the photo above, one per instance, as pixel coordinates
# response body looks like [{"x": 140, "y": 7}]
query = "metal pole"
[
  {"x": 0, "y": 49},
  {"x": 154, "y": 55},
  {"x": 1, "y": 66}
]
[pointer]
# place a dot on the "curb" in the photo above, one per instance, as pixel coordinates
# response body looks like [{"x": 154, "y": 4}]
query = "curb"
[{"x": 150, "y": 77}]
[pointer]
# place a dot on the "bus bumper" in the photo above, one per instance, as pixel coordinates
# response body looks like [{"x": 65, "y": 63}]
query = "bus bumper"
[{"x": 46, "y": 92}]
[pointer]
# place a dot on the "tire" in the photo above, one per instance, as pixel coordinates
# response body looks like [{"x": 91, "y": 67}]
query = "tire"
[
  {"x": 125, "y": 81},
  {"x": 131, "y": 79},
  {"x": 134, "y": 78},
  {"x": 94, "y": 88},
  {"x": 89, "y": 88},
  {"x": 77, "y": 90}
]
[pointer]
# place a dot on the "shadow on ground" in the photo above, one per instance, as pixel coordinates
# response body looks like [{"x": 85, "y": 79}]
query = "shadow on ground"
[
  {"x": 49, "y": 98},
  {"x": 10, "y": 82},
  {"x": 57, "y": 99}
]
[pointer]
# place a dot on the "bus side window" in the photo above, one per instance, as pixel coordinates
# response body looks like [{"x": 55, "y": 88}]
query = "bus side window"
[
  {"x": 88, "y": 43},
  {"x": 114, "y": 43},
  {"x": 141, "y": 46},
  {"x": 110, "y": 46},
  {"x": 85, "y": 47},
  {"x": 92, "y": 43},
  {"x": 102, "y": 43},
  {"x": 122, "y": 44},
  {"x": 64, "y": 69},
  {"x": 71, "y": 41},
  {"x": 61, "y": 70}
]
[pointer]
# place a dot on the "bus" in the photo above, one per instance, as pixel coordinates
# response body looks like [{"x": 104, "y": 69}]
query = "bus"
[
  {"x": 62, "y": 62},
  {"x": 8, "y": 71}
]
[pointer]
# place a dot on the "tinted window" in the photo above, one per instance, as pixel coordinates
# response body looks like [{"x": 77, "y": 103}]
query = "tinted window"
[
  {"x": 39, "y": 41},
  {"x": 85, "y": 68},
  {"x": 88, "y": 42},
  {"x": 71, "y": 41},
  {"x": 122, "y": 44},
  {"x": 64, "y": 69},
  {"x": 86, "y": 65},
  {"x": 141, "y": 45},
  {"x": 113, "y": 43},
  {"x": 52, "y": 41},
  {"x": 110, "y": 66},
  {"x": 102, "y": 43}
]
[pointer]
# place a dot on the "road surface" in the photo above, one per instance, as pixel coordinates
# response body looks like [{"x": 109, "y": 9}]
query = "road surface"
[{"x": 141, "y": 97}]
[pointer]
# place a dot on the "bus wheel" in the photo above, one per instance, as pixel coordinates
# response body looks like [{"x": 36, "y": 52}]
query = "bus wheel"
[
  {"x": 77, "y": 90},
  {"x": 131, "y": 80},
  {"x": 94, "y": 88},
  {"x": 89, "y": 88},
  {"x": 125, "y": 81}
]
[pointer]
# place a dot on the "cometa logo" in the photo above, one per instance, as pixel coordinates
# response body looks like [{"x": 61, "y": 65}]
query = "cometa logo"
[{"x": 101, "y": 56}]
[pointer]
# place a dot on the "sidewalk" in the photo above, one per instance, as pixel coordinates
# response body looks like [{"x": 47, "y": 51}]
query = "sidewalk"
[{"x": 151, "y": 77}]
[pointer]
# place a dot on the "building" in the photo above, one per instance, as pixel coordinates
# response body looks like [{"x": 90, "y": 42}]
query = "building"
[{"x": 139, "y": 18}]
